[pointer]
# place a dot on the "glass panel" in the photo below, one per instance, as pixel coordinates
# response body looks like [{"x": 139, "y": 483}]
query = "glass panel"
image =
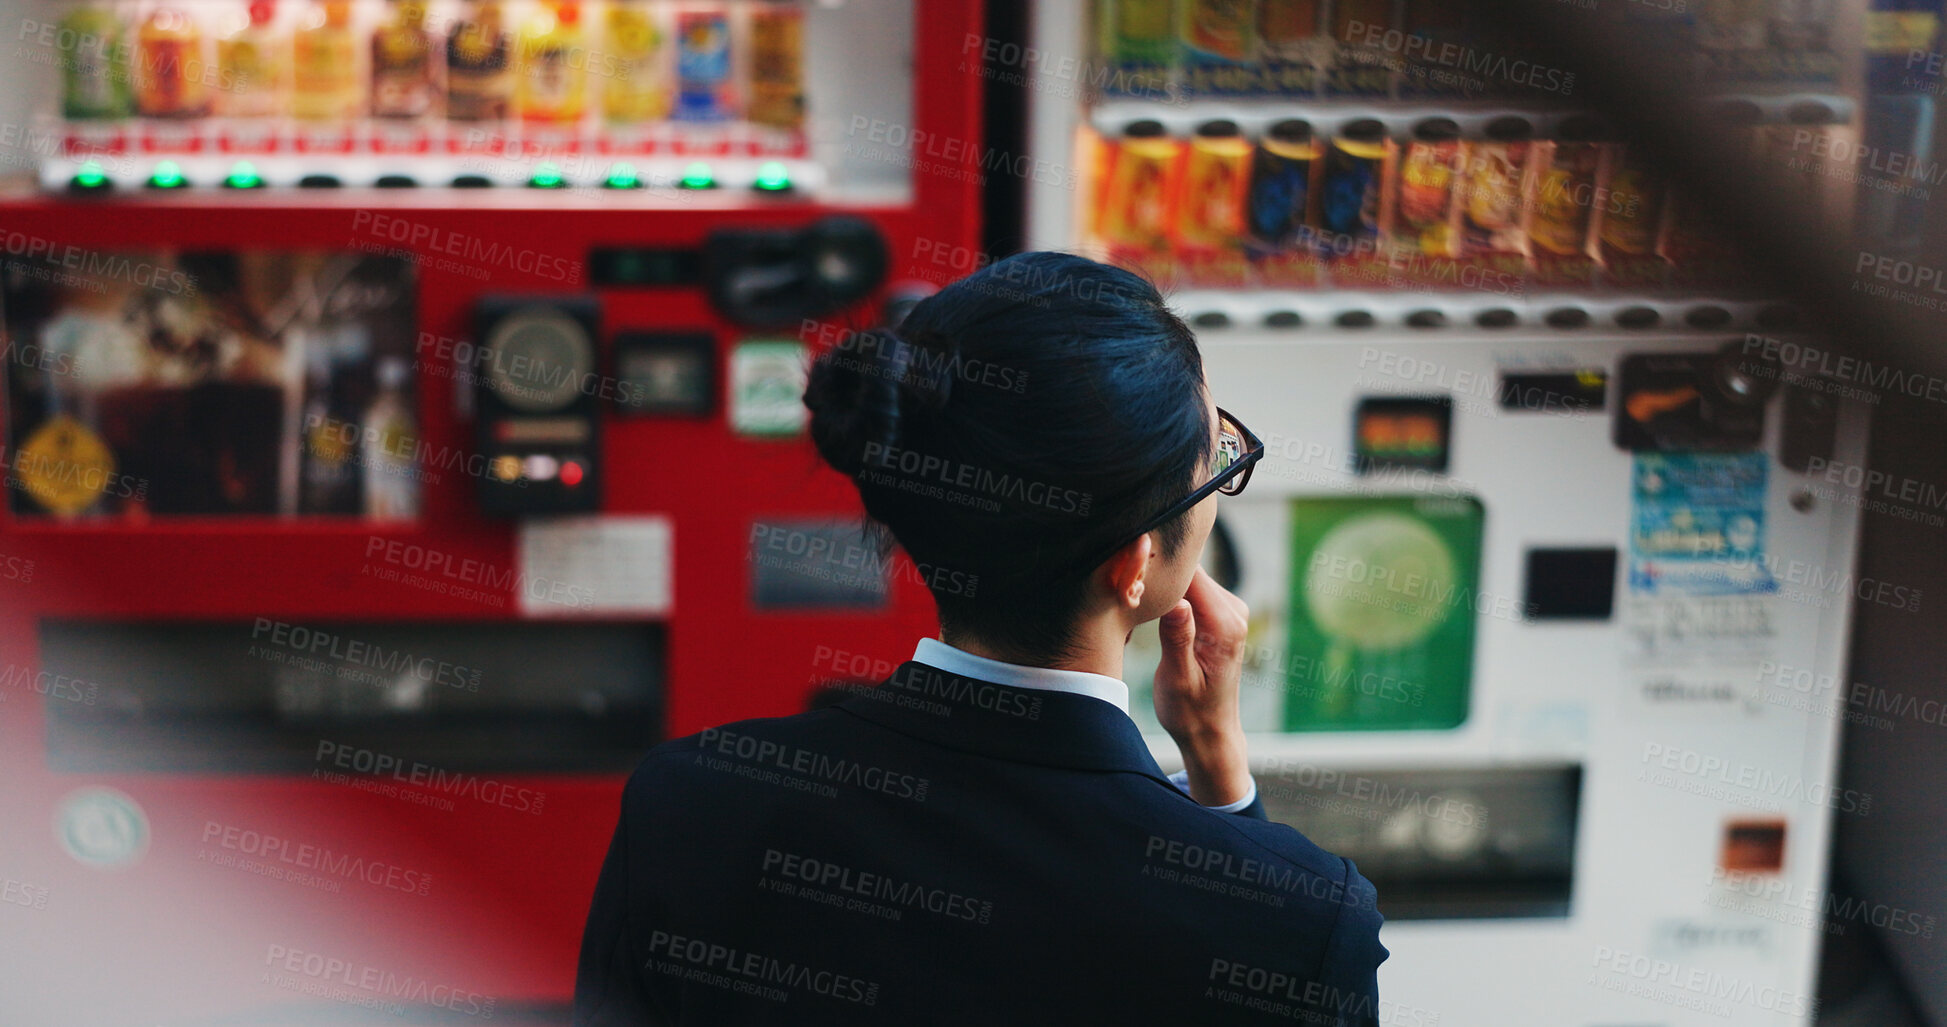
[{"x": 213, "y": 383}]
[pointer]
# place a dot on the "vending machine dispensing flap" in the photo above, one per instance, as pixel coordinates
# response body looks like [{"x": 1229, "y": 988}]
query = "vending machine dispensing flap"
[
  {"x": 772, "y": 277},
  {"x": 1704, "y": 400}
]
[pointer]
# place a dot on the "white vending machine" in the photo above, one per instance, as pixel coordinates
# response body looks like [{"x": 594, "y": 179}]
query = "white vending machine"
[{"x": 1550, "y": 554}]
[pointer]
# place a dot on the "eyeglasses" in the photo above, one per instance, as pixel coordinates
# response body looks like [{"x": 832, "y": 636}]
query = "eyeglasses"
[{"x": 1238, "y": 450}]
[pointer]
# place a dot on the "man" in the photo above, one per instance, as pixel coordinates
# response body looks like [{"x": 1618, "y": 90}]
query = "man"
[{"x": 984, "y": 838}]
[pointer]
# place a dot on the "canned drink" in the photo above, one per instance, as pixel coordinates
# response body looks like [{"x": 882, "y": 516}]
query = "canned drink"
[
  {"x": 1423, "y": 198},
  {"x": 1565, "y": 196},
  {"x": 1210, "y": 211},
  {"x": 1351, "y": 182},
  {"x": 1490, "y": 184},
  {"x": 1279, "y": 201},
  {"x": 1634, "y": 209},
  {"x": 1142, "y": 173}
]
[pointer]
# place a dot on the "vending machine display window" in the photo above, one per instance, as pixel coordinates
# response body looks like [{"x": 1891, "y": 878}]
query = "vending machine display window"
[{"x": 157, "y": 383}]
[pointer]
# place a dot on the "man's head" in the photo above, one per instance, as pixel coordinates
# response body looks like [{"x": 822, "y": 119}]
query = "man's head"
[{"x": 1017, "y": 422}]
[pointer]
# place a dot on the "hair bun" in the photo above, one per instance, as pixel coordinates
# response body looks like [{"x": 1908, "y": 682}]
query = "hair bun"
[
  {"x": 926, "y": 363},
  {"x": 854, "y": 398}
]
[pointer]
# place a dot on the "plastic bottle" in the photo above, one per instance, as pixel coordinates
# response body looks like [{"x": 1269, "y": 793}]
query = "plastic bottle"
[
  {"x": 403, "y": 64},
  {"x": 478, "y": 85},
  {"x": 551, "y": 80},
  {"x": 94, "y": 66},
  {"x": 638, "y": 83},
  {"x": 324, "y": 64},
  {"x": 327, "y": 481},
  {"x": 173, "y": 78},
  {"x": 254, "y": 59},
  {"x": 391, "y": 436}
]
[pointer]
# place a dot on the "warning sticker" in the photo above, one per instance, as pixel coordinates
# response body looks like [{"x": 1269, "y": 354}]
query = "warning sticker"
[{"x": 64, "y": 466}]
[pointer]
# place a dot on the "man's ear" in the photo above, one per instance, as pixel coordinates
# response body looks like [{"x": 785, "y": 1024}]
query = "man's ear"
[{"x": 1127, "y": 569}]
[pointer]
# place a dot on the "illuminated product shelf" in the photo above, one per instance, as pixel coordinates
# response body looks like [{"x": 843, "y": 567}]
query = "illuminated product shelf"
[
  {"x": 128, "y": 174},
  {"x": 1329, "y": 117},
  {"x": 1467, "y": 313}
]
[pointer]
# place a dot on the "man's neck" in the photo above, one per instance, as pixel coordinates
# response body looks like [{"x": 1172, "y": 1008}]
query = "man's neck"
[{"x": 1099, "y": 651}]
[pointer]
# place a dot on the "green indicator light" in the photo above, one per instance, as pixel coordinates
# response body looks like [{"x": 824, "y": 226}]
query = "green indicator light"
[
  {"x": 772, "y": 177},
  {"x": 90, "y": 176},
  {"x": 244, "y": 176},
  {"x": 547, "y": 176},
  {"x": 698, "y": 176},
  {"x": 623, "y": 176},
  {"x": 168, "y": 176}
]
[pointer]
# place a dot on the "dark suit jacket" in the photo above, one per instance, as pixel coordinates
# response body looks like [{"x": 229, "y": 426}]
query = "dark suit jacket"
[{"x": 944, "y": 850}]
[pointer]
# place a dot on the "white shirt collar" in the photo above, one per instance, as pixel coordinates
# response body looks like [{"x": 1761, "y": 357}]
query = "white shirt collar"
[{"x": 954, "y": 660}]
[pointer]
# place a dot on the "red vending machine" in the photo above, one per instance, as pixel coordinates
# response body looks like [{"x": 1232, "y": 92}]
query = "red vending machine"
[{"x": 402, "y": 436}]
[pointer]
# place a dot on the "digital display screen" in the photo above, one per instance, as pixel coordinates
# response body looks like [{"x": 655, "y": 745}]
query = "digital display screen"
[
  {"x": 1555, "y": 392},
  {"x": 644, "y": 266},
  {"x": 1409, "y": 432}
]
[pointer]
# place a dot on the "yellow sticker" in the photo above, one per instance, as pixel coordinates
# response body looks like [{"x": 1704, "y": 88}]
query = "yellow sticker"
[
  {"x": 64, "y": 466},
  {"x": 1895, "y": 31},
  {"x": 328, "y": 442}
]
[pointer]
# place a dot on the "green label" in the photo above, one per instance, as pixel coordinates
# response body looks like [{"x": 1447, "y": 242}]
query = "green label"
[{"x": 1384, "y": 599}]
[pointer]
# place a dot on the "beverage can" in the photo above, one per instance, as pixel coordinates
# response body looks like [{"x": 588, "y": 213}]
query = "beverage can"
[
  {"x": 1210, "y": 212},
  {"x": 1634, "y": 208},
  {"x": 1564, "y": 198},
  {"x": 1349, "y": 193},
  {"x": 1280, "y": 191},
  {"x": 1490, "y": 210},
  {"x": 1423, "y": 207},
  {"x": 1143, "y": 168}
]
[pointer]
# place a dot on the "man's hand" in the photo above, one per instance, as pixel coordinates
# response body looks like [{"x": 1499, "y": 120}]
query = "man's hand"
[{"x": 1196, "y": 689}]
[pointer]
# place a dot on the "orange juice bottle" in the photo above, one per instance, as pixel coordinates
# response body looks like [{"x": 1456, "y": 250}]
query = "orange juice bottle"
[
  {"x": 172, "y": 69},
  {"x": 325, "y": 80},
  {"x": 551, "y": 80}
]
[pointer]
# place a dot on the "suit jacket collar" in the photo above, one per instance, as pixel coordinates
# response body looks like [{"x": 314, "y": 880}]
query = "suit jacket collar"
[{"x": 1025, "y": 725}]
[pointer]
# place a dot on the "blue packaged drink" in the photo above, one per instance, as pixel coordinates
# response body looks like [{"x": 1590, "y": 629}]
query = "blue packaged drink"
[{"x": 703, "y": 71}]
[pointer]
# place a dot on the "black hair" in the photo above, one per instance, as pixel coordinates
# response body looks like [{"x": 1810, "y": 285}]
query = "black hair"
[{"x": 1020, "y": 418}]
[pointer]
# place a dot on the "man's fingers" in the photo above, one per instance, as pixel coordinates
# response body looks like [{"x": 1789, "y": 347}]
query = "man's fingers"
[{"x": 1178, "y": 628}]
